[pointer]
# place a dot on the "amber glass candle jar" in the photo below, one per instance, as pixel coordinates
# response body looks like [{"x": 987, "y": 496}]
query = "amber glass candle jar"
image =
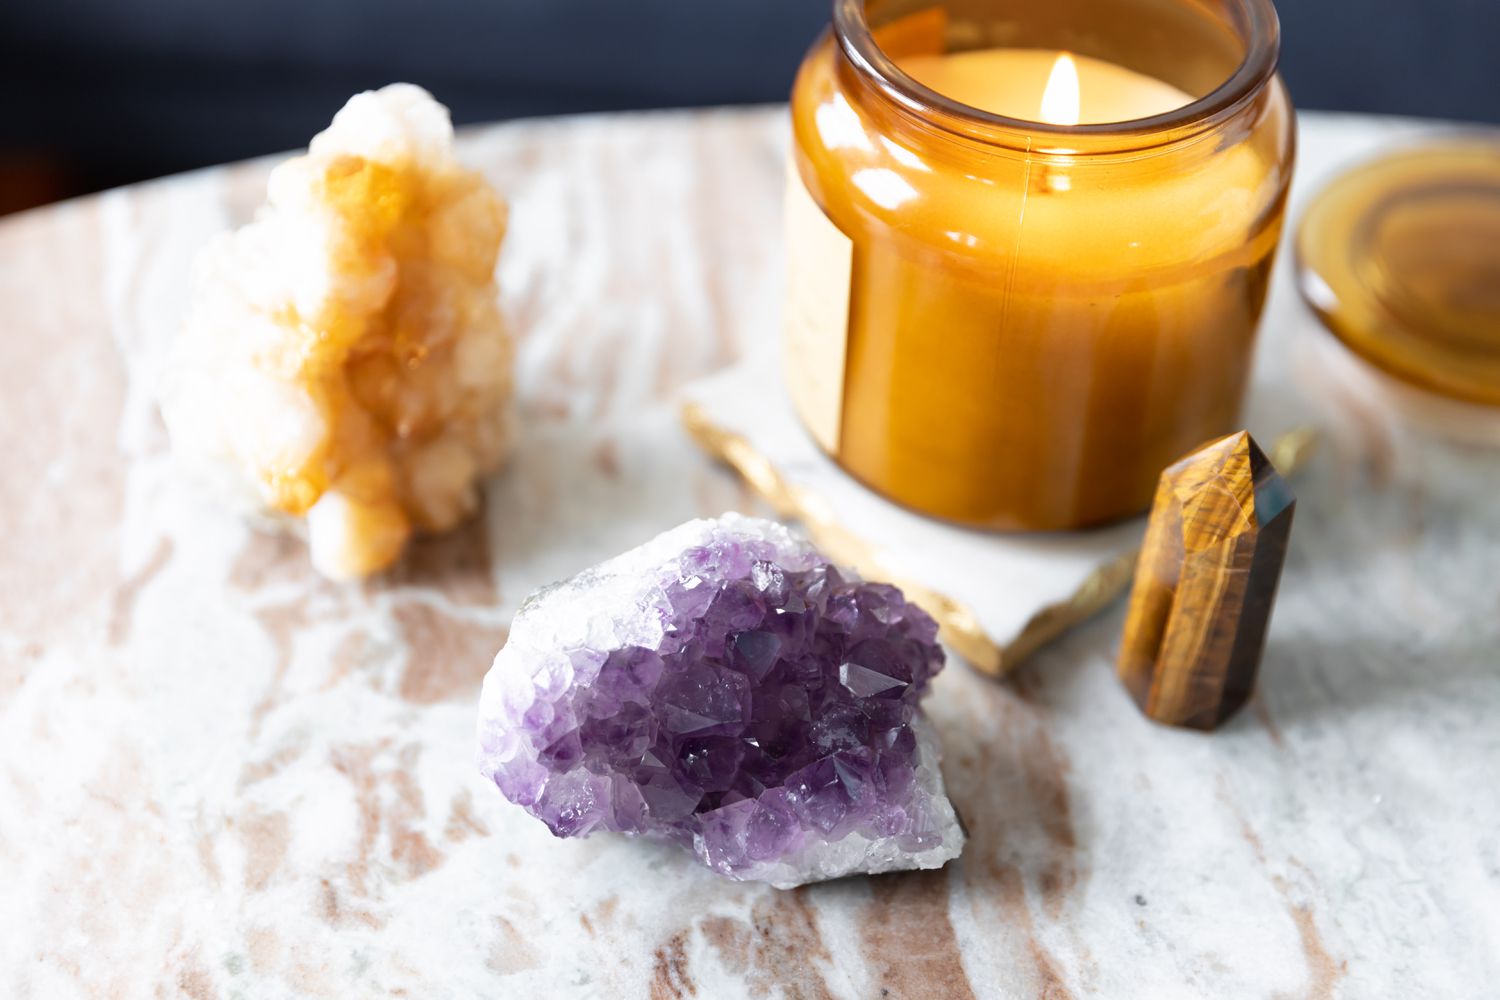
[{"x": 1015, "y": 323}]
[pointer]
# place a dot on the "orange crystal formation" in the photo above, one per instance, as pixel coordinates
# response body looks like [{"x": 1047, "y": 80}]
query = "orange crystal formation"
[
  {"x": 1205, "y": 584},
  {"x": 344, "y": 359}
]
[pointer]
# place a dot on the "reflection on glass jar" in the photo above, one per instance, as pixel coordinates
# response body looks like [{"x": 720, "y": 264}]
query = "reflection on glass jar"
[{"x": 1017, "y": 323}]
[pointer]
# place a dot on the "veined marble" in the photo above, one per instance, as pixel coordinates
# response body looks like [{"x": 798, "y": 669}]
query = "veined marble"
[{"x": 221, "y": 776}]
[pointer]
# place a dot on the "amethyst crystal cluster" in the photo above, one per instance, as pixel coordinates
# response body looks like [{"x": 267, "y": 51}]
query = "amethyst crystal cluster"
[{"x": 726, "y": 688}]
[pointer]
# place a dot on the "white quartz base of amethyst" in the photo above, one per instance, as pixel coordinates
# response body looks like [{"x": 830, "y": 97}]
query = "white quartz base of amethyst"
[{"x": 725, "y": 688}]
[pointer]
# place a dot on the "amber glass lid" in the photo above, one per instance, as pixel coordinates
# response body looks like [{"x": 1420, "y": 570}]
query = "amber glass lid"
[{"x": 1401, "y": 259}]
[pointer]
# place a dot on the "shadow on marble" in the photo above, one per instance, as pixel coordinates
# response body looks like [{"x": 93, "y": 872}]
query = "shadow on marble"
[
  {"x": 1313, "y": 681},
  {"x": 458, "y": 564},
  {"x": 1009, "y": 773}
]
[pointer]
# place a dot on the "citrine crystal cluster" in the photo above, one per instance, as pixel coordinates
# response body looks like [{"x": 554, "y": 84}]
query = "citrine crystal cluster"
[
  {"x": 725, "y": 688},
  {"x": 344, "y": 359}
]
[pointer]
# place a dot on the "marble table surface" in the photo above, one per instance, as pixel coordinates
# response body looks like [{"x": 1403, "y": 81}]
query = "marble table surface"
[{"x": 222, "y": 777}]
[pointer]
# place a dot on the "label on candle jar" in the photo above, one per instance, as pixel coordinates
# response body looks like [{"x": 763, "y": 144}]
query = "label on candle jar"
[{"x": 820, "y": 265}]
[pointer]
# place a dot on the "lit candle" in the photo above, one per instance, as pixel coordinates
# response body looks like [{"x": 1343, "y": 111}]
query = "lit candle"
[
  {"x": 1045, "y": 86},
  {"x": 1032, "y": 326}
]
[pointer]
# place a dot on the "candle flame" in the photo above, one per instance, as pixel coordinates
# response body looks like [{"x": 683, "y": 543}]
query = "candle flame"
[{"x": 1060, "y": 101}]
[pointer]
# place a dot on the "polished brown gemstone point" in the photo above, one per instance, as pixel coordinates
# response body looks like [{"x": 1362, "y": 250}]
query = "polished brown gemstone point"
[{"x": 1205, "y": 584}]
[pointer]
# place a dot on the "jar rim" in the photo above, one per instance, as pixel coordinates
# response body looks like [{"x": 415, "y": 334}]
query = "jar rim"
[{"x": 1262, "y": 37}]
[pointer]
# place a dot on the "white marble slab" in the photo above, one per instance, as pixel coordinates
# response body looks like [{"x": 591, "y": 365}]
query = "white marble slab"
[
  {"x": 1000, "y": 581},
  {"x": 223, "y": 777},
  {"x": 999, "y": 596}
]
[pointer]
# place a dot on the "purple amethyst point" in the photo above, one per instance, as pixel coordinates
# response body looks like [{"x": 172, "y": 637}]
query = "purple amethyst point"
[{"x": 726, "y": 688}]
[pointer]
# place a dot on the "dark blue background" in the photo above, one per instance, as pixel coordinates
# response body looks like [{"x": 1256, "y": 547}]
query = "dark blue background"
[{"x": 116, "y": 90}]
